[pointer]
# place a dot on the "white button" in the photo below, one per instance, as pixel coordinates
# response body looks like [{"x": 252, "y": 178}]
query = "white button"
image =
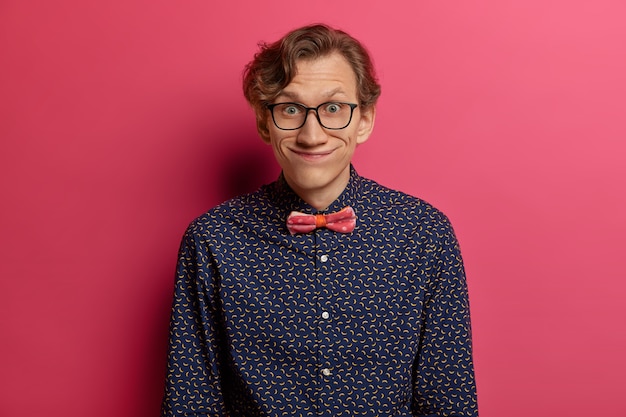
[
  {"x": 324, "y": 258},
  {"x": 325, "y": 315},
  {"x": 326, "y": 372}
]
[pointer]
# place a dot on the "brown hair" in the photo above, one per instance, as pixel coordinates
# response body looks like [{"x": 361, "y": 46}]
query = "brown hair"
[{"x": 274, "y": 66}]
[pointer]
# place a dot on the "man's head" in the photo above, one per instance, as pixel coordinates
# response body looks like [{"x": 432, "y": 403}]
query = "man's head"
[
  {"x": 314, "y": 94},
  {"x": 274, "y": 66}
]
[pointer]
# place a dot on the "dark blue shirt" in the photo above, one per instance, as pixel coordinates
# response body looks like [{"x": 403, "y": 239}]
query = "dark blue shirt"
[{"x": 369, "y": 323}]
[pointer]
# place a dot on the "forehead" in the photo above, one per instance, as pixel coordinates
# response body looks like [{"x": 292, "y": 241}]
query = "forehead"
[{"x": 323, "y": 77}]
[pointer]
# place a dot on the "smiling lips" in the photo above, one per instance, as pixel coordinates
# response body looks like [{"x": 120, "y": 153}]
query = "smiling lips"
[{"x": 312, "y": 156}]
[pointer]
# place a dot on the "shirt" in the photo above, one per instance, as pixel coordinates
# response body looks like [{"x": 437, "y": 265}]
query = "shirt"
[{"x": 370, "y": 323}]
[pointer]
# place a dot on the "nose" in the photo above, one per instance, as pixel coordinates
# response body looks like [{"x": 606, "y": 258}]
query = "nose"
[{"x": 312, "y": 133}]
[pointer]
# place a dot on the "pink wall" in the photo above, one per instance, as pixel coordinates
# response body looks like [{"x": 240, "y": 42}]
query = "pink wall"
[{"x": 121, "y": 121}]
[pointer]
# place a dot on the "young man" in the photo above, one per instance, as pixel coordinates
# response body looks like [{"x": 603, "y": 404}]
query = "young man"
[{"x": 323, "y": 293}]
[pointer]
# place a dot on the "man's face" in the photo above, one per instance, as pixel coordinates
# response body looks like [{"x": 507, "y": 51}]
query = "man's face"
[{"x": 316, "y": 161}]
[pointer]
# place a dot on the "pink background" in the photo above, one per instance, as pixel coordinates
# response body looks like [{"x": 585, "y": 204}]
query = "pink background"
[{"x": 121, "y": 121}]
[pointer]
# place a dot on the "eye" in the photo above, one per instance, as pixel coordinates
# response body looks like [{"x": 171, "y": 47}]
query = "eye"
[
  {"x": 332, "y": 108},
  {"x": 291, "y": 110}
]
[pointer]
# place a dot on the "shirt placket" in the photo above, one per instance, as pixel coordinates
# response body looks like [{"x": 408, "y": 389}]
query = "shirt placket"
[{"x": 327, "y": 364}]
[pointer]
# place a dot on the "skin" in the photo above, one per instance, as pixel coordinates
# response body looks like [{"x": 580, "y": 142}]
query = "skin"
[{"x": 316, "y": 161}]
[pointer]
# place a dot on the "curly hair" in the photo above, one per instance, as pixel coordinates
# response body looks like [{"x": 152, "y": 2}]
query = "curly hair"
[{"x": 274, "y": 66}]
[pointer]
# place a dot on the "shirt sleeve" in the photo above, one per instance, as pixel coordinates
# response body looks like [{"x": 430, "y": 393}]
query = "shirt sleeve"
[
  {"x": 192, "y": 385},
  {"x": 444, "y": 383}
]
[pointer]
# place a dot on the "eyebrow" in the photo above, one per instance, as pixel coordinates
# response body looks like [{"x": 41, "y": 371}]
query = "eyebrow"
[{"x": 293, "y": 95}]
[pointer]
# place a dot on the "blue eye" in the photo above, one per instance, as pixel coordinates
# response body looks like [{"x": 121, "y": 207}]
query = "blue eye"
[
  {"x": 333, "y": 108},
  {"x": 291, "y": 110}
]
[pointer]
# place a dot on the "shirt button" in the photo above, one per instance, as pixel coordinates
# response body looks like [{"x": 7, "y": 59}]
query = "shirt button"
[
  {"x": 324, "y": 258},
  {"x": 326, "y": 372},
  {"x": 325, "y": 315}
]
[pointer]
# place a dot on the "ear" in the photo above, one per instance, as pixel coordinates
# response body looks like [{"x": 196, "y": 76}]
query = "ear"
[
  {"x": 261, "y": 127},
  {"x": 366, "y": 123}
]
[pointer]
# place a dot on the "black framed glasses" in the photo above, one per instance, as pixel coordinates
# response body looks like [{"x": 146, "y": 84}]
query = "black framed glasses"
[{"x": 333, "y": 115}]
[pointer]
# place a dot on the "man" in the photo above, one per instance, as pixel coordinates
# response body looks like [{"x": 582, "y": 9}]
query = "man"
[{"x": 323, "y": 293}]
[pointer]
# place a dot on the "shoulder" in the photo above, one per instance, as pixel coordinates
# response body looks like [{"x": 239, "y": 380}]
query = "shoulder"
[
  {"x": 245, "y": 209},
  {"x": 400, "y": 207}
]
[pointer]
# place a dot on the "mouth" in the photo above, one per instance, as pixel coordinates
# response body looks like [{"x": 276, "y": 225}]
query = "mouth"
[{"x": 312, "y": 156}]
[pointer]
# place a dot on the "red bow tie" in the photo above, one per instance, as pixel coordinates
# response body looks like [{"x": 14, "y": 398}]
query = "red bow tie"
[{"x": 343, "y": 221}]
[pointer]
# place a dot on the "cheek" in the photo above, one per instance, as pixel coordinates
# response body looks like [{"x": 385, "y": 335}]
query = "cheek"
[
  {"x": 350, "y": 138},
  {"x": 277, "y": 142},
  {"x": 279, "y": 137}
]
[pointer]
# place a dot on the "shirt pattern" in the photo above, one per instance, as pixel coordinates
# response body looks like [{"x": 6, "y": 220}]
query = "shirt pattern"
[{"x": 369, "y": 323}]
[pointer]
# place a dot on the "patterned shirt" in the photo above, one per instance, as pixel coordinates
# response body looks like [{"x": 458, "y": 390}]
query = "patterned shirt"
[{"x": 369, "y": 323}]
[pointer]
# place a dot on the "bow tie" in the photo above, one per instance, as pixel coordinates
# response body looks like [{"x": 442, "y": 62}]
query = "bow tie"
[{"x": 343, "y": 221}]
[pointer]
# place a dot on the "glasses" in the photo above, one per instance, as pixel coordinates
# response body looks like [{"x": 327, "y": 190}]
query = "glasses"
[{"x": 331, "y": 115}]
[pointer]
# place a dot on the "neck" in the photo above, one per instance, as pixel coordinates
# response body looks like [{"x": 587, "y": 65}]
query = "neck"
[
  {"x": 320, "y": 198},
  {"x": 319, "y": 201}
]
